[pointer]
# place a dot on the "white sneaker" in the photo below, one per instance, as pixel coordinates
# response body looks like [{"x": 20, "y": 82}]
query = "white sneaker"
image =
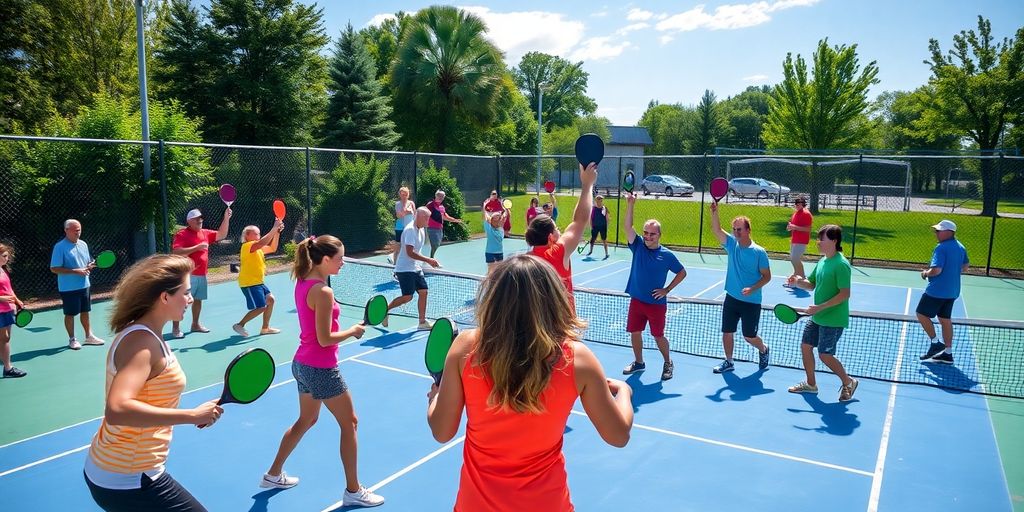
[
  {"x": 73, "y": 344},
  {"x": 93, "y": 340},
  {"x": 282, "y": 481},
  {"x": 177, "y": 335},
  {"x": 425, "y": 325},
  {"x": 240, "y": 330},
  {"x": 361, "y": 498}
]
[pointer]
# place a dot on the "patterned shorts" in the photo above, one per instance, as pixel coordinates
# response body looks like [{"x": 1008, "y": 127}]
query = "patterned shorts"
[{"x": 322, "y": 383}]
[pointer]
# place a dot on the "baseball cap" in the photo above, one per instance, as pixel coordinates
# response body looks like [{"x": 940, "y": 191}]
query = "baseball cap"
[
  {"x": 193, "y": 213},
  {"x": 944, "y": 225}
]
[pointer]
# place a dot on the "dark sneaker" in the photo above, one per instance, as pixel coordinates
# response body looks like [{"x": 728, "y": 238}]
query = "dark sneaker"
[
  {"x": 846, "y": 392},
  {"x": 943, "y": 357},
  {"x": 762, "y": 359},
  {"x": 724, "y": 366},
  {"x": 934, "y": 350},
  {"x": 634, "y": 367},
  {"x": 14, "y": 373},
  {"x": 666, "y": 371}
]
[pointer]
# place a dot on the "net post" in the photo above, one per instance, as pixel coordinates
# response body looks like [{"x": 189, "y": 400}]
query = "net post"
[{"x": 163, "y": 195}]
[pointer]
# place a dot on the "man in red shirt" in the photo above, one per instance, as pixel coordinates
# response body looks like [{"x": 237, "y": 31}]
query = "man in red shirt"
[
  {"x": 194, "y": 242},
  {"x": 800, "y": 235},
  {"x": 555, "y": 247}
]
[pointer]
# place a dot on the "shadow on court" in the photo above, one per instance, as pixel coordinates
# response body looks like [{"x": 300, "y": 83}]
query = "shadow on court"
[
  {"x": 947, "y": 377},
  {"x": 648, "y": 393},
  {"x": 835, "y": 418},
  {"x": 741, "y": 388},
  {"x": 222, "y": 344},
  {"x": 32, "y": 354},
  {"x": 261, "y": 500}
]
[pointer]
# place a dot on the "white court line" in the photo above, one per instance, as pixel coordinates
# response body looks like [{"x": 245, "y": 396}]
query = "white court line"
[
  {"x": 392, "y": 368},
  {"x": 709, "y": 288},
  {"x": 746, "y": 448},
  {"x": 80, "y": 448},
  {"x": 616, "y": 262},
  {"x": 883, "y": 446},
  {"x": 12, "y": 443},
  {"x": 410, "y": 467},
  {"x": 606, "y": 275}
]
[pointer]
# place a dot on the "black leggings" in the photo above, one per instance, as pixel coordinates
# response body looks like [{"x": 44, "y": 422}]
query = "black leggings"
[
  {"x": 164, "y": 493},
  {"x": 596, "y": 230}
]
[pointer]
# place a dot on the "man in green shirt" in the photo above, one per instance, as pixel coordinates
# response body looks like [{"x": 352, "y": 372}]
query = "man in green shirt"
[{"x": 830, "y": 313}]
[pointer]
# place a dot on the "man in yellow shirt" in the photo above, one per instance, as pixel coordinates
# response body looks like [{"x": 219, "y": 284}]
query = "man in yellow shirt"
[{"x": 252, "y": 270}]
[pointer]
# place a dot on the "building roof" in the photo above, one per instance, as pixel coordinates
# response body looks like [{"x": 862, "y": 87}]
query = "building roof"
[{"x": 630, "y": 136}]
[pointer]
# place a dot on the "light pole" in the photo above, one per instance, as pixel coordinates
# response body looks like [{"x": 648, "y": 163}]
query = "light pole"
[
  {"x": 140, "y": 41},
  {"x": 540, "y": 130}
]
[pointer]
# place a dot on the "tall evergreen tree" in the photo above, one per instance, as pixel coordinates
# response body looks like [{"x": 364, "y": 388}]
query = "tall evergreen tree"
[
  {"x": 711, "y": 128},
  {"x": 358, "y": 114}
]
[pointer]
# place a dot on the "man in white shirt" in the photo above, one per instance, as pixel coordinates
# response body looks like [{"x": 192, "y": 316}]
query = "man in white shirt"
[{"x": 408, "y": 268}]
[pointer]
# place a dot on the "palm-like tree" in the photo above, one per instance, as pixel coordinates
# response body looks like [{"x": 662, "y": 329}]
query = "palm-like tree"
[{"x": 446, "y": 72}]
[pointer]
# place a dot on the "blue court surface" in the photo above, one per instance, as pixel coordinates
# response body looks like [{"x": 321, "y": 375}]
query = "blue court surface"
[{"x": 737, "y": 441}]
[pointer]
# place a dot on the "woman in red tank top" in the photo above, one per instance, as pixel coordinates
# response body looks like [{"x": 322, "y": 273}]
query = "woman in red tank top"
[{"x": 520, "y": 410}]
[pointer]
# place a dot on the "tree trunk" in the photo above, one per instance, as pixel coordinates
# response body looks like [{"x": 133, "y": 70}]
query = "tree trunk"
[{"x": 991, "y": 179}]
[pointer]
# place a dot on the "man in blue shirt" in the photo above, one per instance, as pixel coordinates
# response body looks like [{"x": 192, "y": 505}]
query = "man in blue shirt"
[
  {"x": 949, "y": 260},
  {"x": 72, "y": 263},
  {"x": 647, "y": 290},
  {"x": 747, "y": 273}
]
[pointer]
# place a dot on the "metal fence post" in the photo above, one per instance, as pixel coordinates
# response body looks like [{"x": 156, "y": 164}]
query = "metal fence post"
[
  {"x": 703, "y": 188},
  {"x": 497, "y": 174},
  {"x": 618, "y": 205},
  {"x": 414, "y": 163},
  {"x": 856, "y": 206},
  {"x": 309, "y": 193},
  {"x": 163, "y": 197},
  {"x": 992, "y": 230}
]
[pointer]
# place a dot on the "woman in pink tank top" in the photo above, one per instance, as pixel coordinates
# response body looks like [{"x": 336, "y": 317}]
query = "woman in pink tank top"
[
  {"x": 315, "y": 366},
  {"x": 125, "y": 466},
  {"x": 516, "y": 413}
]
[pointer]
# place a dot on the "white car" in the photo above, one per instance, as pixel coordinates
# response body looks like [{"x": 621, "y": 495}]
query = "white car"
[
  {"x": 665, "y": 184},
  {"x": 761, "y": 188}
]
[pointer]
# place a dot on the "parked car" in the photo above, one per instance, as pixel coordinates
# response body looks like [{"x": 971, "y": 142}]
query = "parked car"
[
  {"x": 665, "y": 184},
  {"x": 759, "y": 187}
]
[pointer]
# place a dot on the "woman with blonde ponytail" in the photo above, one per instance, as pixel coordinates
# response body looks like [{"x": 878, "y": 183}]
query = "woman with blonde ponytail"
[
  {"x": 315, "y": 366},
  {"x": 517, "y": 377}
]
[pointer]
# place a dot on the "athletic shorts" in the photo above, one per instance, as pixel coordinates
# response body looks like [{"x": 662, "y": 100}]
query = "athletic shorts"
[
  {"x": 398, "y": 235},
  {"x": 642, "y": 313},
  {"x": 434, "y": 235},
  {"x": 255, "y": 296},
  {"x": 198, "y": 284},
  {"x": 735, "y": 310},
  {"x": 932, "y": 307},
  {"x": 796, "y": 251},
  {"x": 411, "y": 282},
  {"x": 493, "y": 257},
  {"x": 595, "y": 231},
  {"x": 163, "y": 493},
  {"x": 825, "y": 338},
  {"x": 322, "y": 383},
  {"x": 6, "y": 319},
  {"x": 76, "y": 301}
]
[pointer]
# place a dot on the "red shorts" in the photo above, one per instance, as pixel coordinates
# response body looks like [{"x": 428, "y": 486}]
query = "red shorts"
[{"x": 642, "y": 313}]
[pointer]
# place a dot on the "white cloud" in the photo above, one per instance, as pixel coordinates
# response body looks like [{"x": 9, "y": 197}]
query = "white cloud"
[
  {"x": 665, "y": 39},
  {"x": 639, "y": 15},
  {"x": 517, "y": 33},
  {"x": 728, "y": 17},
  {"x": 600, "y": 14},
  {"x": 631, "y": 28},
  {"x": 377, "y": 19},
  {"x": 599, "y": 48},
  {"x": 756, "y": 78}
]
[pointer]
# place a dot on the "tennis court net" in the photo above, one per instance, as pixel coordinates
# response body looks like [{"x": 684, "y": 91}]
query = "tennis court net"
[{"x": 989, "y": 355}]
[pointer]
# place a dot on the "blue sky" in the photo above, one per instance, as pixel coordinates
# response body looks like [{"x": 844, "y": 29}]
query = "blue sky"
[{"x": 672, "y": 51}]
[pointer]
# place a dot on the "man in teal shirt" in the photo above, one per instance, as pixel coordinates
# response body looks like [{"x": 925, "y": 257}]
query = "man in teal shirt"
[
  {"x": 747, "y": 273},
  {"x": 830, "y": 313},
  {"x": 949, "y": 260}
]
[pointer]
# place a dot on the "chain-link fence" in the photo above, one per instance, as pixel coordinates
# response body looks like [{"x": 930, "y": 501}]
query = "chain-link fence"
[{"x": 885, "y": 204}]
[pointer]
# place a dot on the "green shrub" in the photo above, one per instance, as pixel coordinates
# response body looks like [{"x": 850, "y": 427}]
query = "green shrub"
[
  {"x": 432, "y": 179},
  {"x": 353, "y": 205}
]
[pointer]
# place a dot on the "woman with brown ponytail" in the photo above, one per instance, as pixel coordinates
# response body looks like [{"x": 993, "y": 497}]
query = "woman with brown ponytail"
[{"x": 315, "y": 366}]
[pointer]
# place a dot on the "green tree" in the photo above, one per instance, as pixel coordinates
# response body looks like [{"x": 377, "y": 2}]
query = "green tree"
[
  {"x": 357, "y": 114},
  {"x": 431, "y": 179},
  {"x": 746, "y": 113},
  {"x": 353, "y": 205},
  {"x": 979, "y": 92},
  {"x": 24, "y": 104},
  {"x": 184, "y": 67},
  {"x": 446, "y": 72},
  {"x": 900, "y": 129},
  {"x": 382, "y": 42},
  {"x": 667, "y": 125},
  {"x": 260, "y": 76},
  {"x": 562, "y": 141},
  {"x": 564, "y": 84},
  {"x": 823, "y": 111},
  {"x": 711, "y": 127},
  {"x": 513, "y": 132}
]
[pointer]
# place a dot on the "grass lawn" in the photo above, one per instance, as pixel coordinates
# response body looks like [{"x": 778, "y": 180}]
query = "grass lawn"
[
  {"x": 892, "y": 236},
  {"x": 1005, "y": 206}
]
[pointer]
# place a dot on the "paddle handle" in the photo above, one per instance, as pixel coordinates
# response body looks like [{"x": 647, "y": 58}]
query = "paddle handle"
[
  {"x": 220, "y": 401},
  {"x": 437, "y": 378}
]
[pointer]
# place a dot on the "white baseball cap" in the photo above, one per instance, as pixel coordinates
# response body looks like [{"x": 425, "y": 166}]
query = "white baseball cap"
[
  {"x": 193, "y": 213},
  {"x": 944, "y": 225}
]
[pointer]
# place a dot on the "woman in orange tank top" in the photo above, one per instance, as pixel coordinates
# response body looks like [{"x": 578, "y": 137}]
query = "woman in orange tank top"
[
  {"x": 520, "y": 410},
  {"x": 125, "y": 466}
]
